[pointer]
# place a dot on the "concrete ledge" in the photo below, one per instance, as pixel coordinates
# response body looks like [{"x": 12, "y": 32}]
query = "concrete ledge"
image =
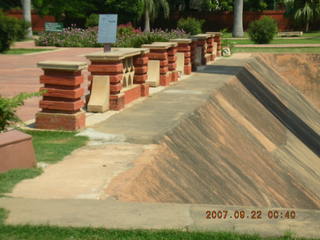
[
  {"x": 62, "y": 65},
  {"x": 181, "y": 40},
  {"x": 114, "y": 55}
]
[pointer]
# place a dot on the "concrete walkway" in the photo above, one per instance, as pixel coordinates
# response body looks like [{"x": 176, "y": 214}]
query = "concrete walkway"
[{"x": 113, "y": 214}]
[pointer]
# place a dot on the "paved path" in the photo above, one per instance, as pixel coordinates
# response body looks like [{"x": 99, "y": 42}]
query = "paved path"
[
  {"x": 19, "y": 73},
  {"x": 129, "y": 215},
  {"x": 28, "y": 44},
  {"x": 278, "y": 45}
]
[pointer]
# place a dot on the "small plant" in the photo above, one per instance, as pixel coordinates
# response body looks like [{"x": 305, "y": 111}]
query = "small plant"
[
  {"x": 263, "y": 30},
  {"x": 8, "y": 108},
  {"x": 191, "y": 25}
]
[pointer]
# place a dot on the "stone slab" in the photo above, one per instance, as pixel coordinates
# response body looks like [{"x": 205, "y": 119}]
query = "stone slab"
[
  {"x": 100, "y": 94},
  {"x": 62, "y": 65}
]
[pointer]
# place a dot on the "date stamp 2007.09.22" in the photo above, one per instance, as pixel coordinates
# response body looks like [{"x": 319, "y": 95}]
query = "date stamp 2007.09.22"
[{"x": 254, "y": 214}]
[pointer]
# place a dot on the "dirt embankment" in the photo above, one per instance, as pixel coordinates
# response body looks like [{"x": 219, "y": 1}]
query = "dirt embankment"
[
  {"x": 300, "y": 70},
  {"x": 255, "y": 142}
]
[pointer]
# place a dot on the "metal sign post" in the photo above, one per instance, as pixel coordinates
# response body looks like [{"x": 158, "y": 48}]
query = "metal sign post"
[{"x": 107, "y": 33}]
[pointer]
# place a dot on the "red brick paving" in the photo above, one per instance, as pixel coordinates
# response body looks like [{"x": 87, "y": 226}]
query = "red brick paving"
[{"x": 19, "y": 73}]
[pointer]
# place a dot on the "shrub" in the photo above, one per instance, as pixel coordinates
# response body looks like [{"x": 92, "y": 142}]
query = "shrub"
[
  {"x": 127, "y": 30},
  {"x": 11, "y": 29},
  {"x": 92, "y": 20},
  {"x": 191, "y": 25},
  {"x": 8, "y": 108},
  {"x": 263, "y": 30},
  {"x": 137, "y": 39}
]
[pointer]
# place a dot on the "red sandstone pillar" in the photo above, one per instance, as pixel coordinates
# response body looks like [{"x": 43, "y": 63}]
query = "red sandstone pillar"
[
  {"x": 113, "y": 69},
  {"x": 184, "y": 46},
  {"x": 140, "y": 63},
  {"x": 210, "y": 43},
  {"x": 63, "y": 100},
  {"x": 172, "y": 59},
  {"x": 160, "y": 51},
  {"x": 218, "y": 40}
]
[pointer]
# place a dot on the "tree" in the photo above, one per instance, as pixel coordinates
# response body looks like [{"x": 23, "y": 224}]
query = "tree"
[
  {"x": 127, "y": 10},
  {"x": 304, "y": 12},
  {"x": 26, "y": 4},
  {"x": 150, "y": 10},
  {"x": 238, "y": 19}
]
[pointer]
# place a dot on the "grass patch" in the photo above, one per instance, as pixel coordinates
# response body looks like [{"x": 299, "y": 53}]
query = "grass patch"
[
  {"x": 3, "y": 216},
  {"x": 9, "y": 179},
  {"x": 51, "y": 146},
  {"x": 68, "y": 233},
  {"x": 276, "y": 50},
  {"x": 18, "y": 51}
]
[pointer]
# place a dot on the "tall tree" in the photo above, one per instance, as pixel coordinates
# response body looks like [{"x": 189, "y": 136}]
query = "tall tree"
[
  {"x": 238, "y": 19},
  {"x": 304, "y": 12},
  {"x": 26, "y": 4},
  {"x": 150, "y": 10}
]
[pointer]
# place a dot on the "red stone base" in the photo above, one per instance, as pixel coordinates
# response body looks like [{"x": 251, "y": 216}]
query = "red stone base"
[
  {"x": 132, "y": 94},
  {"x": 61, "y": 121}
]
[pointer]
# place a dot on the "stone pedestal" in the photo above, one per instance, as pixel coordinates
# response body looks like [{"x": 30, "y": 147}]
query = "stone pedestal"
[
  {"x": 140, "y": 63},
  {"x": 165, "y": 53},
  {"x": 184, "y": 47},
  {"x": 127, "y": 71},
  {"x": 63, "y": 98}
]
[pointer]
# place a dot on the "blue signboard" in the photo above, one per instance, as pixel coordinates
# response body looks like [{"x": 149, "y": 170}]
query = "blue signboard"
[{"x": 107, "y": 28}]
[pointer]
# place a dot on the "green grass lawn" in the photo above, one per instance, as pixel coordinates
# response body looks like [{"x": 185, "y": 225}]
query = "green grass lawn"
[
  {"x": 315, "y": 40},
  {"x": 305, "y": 35},
  {"x": 276, "y": 50},
  {"x": 68, "y": 233},
  {"x": 3, "y": 216},
  {"x": 18, "y": 51},
  {"x": 50, "y": 147}
]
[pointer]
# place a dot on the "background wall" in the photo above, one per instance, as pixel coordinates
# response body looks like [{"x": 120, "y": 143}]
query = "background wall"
[
  {"x": 37, "y": 21},
  {"x": 219, "y": 21}
]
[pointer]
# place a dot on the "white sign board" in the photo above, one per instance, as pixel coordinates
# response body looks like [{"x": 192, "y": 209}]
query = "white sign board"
[{"x": 107, "y": 28}]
